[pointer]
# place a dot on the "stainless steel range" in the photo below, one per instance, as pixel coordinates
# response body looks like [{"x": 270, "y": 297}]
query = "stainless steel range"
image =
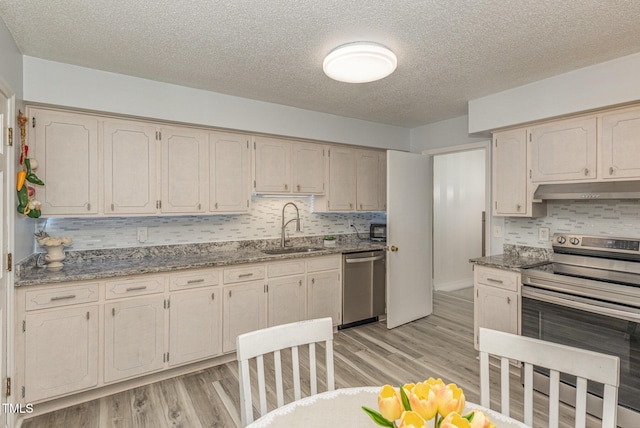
[{"x": 589, "y": 297}]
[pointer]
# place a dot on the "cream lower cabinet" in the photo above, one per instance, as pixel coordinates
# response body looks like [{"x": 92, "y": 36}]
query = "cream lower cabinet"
[
  {"x": 134, "y": 337},
  {"x": 287, "y": 292},
  {"x": 324, "y": 288},
  {"x": 61, "y": 351},
  {"x": 497, "y": 300},
  {"x": 244, "y": 309}
]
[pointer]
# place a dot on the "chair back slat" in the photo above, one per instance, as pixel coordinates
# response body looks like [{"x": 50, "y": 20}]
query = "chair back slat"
[
  {"x": 313, "y": 381},
  {"x": 585, "y": 365},
  {"x": 271, "y": 341},
  {"x": 504, "y": 386}
]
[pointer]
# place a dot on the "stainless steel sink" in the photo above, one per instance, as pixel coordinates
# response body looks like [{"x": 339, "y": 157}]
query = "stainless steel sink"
[{"x": 292, "y": 250}]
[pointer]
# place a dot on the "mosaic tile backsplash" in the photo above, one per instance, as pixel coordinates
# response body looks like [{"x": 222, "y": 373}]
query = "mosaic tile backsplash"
[
  {"x": 263, "y": 222},
  {"x": 615, "y": 218}
]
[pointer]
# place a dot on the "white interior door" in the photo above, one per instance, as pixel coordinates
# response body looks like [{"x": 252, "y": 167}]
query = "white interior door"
[
  {"x": 409, "y": 196},
  {"x": 6, "y": 204}
]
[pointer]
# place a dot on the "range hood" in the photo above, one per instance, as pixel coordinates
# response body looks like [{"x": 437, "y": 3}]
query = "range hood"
[{"x": 597, "y": 190}]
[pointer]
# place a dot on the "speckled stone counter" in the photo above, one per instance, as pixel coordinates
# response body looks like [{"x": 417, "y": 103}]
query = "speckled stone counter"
[
  {"x": 95, "y": 264},
  {"x": 516, "y": 257}
]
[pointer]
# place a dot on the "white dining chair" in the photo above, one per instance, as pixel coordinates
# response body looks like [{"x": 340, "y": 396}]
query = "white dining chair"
[
  {"x": 256, "y": 344},
  {"x": 585, "y": 365}
]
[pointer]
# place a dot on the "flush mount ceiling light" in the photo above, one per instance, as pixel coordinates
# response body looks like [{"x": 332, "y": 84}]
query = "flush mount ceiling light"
[{"x": 359, "y": 62}]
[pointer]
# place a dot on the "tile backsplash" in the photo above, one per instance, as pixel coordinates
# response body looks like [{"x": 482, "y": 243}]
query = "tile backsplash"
[
  {"x": 616, "y": 218},
  {"x": 263, "y": 222}
]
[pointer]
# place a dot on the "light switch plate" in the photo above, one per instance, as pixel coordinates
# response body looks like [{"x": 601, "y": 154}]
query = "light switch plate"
[
  {"x": 142, "y": 234},
  {"x": 543, "y": 233},
  {"x": 497, "y": 231}
]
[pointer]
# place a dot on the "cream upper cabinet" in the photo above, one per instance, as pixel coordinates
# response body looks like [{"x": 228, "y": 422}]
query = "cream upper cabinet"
[
  {"x": 272, "y": 165},
  {"x": 564, "y": 150},
  {"x": 130, "y": 167},
  {"x": 620, "y": 144},
  {"x": 134, "y": 337},
  {"x": 228, "y": 172},
  {"x": 66, "y": 147},
  {"x": 383, "y": 180},
  {"x": 367, "y": 180},
  {"x": 510, "y": 173},
  {"x": 308, "y": 168},
  {"x": 342, "y": 179},
  {"x": 184, "y": 170}
]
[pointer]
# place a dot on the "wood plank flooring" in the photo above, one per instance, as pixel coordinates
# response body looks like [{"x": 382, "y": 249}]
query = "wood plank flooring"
[{"x": 440, "y": 345}]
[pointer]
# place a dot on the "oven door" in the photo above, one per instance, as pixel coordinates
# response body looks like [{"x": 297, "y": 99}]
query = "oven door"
[{"x": 590, "y": 324}]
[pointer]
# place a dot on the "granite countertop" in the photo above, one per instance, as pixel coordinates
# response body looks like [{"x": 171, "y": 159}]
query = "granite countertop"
[
  {"x": 516, "y": 258},
  {"x": 169, "y": 259}
]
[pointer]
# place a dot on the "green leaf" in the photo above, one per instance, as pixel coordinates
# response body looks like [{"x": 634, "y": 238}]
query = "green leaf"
[
  {"x": 378, "y": 418},
  {"x": 469, "y": 416},
  {"x": 405, "y": 399}
]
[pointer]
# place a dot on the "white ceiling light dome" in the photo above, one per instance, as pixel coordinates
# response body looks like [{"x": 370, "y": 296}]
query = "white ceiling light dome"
[{"x": 360, "y": 62}]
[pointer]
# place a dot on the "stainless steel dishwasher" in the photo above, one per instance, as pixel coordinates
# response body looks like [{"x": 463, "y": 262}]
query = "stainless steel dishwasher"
[{"x": 363, "y": 287}]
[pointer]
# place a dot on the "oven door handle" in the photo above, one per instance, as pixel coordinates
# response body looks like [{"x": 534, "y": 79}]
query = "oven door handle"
[{"x": 580, "y": 303}]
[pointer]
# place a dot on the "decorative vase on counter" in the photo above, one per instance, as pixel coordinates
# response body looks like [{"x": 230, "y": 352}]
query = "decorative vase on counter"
[{"x": 55, "y": 250}]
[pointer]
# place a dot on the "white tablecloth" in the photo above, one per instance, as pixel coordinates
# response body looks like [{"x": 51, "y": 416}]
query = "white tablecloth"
[{"x": 342, "y": 407}]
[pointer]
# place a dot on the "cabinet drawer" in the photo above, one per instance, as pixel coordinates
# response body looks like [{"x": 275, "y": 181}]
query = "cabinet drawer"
[
  {"x": 497, "y": 278},
  {"x": 62, "y": 296},
  {"x": 290, "y": 267},
  {"x": 317, "y": 264},
  {"x": 193, "y": 279},
  {"x": 244, "y": 273},
  {"x": 134, "y": 287}
]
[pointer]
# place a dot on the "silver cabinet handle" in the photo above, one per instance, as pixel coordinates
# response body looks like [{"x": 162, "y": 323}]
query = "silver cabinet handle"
[
  {"x": 244, "y": 275},
  {"x": 586, "y": 171},
  {"x": 611, "y": 170},
  {"x": 213, "y": 296},
  {"x": 68, "y": 297},
  {"x": 499, "y": 281},
  {"x": 298, "y": 187},
  {"x": 509, "y": 300},
  {"x": 195, "y": 281},
  {"x": 364, "y": 259},
  {"x": 142, "y": 287},
  {"x": 286, "y": 187}
]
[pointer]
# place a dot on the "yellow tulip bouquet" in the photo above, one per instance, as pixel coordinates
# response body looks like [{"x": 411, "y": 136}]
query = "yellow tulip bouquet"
[{"x": 413, "y": 405}]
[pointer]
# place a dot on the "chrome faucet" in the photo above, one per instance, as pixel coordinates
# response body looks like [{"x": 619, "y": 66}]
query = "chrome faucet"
[{"x": 284, "y": 225}]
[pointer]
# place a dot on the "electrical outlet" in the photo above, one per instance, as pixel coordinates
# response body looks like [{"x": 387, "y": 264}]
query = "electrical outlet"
[
  {"x": 543, "y": 233},
  {"x": 142, "y": 234}
]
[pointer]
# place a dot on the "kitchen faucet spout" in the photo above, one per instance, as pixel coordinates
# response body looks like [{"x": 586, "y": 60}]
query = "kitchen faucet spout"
[{"x": 284, "y": 224}]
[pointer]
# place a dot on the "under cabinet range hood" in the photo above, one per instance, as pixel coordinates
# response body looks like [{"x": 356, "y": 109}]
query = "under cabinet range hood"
[{"x": 592, "y": 190}]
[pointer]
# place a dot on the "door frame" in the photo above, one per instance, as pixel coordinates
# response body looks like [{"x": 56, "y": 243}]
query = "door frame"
[
  {"x": 486, "y": 145},
  {"x": 6, "y": 322}
]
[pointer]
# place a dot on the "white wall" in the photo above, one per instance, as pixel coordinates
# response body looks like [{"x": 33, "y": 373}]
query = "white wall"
[
  {"x": 605, "y": 84},
  {"x": 446, "y": 133},
  {"x": 84, "y": 88}
]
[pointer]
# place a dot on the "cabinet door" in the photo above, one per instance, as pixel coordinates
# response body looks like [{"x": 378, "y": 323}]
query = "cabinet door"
[
  {"x": 61, "y": 352},
  {"x": 244, "y": 309},
  {"x": 229, "y": 172},
  {"x": 564, "y": 150},
  {"x": 620, "y": 144},
  {"x": 272, "y": 159},
  {"x": 195, "y": 325},
  {"x": 383, "y": 180},
  {"x": 66, "y": 147},
  {"x": 185, "y": 170},
  {"x": 130, "y": 168},
  {"x": 325, "y": 298},
  {"x": 134, "y": 337},
  {"x": 496, "y": 309},
  {"x": 510, "y": 173},
  {"x": 367, "y": 181},
  {"x": 342, "y": 179},
  {"x": 287, "y": 300},
  {"x": 308, "y": 168}
]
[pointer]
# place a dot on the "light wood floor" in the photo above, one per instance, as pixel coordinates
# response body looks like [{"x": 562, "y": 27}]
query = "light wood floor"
[{"x": 440, "y": 345}]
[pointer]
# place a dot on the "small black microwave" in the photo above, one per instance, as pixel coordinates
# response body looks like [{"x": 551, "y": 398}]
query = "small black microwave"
[{"x": 378, "y": 232}]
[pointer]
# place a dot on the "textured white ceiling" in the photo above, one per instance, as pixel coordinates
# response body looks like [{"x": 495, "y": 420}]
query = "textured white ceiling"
[{"x": 449, "y": 51}]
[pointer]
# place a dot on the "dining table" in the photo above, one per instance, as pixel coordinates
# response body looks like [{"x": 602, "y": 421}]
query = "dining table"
[{"x": 343, "y": 407}]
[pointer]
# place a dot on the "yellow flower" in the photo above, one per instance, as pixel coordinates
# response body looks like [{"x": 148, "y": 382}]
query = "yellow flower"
[
  {"x": 424, "y": 400},
  {"x": 411, "y": 419},
  {"x": 454, "y": 420},
  {"x": 480, "y": 420},
  {"x": 450, "y": 399},
  {"x": 389, "y": 403}
]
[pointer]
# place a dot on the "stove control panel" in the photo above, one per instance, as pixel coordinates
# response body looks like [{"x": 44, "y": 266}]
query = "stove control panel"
[{"x": 563, "y": 241}]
